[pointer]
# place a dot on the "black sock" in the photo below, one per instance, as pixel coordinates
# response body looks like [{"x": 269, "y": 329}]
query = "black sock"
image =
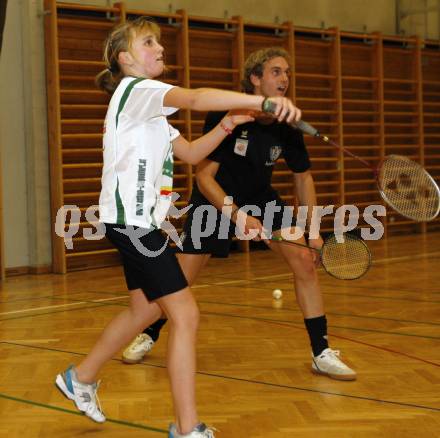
[
  {"x": 317, "y": 329},
  {"x": 154, "y": 330}
]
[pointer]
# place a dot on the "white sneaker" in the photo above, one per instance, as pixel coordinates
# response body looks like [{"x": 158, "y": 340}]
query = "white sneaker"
[
  {"x": 200, "y": 431},
  {"x": 138, "y": 348},
  {"x": 83, "y": 395},
  {"x": 329, "y": 364}
]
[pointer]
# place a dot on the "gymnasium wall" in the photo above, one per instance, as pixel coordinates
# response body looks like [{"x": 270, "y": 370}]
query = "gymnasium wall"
[
  {"x": 23, "y": 110},
  {"x": 418, "y": 23}
]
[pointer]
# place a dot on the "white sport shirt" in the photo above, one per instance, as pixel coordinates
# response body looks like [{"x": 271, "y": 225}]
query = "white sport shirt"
[{"x": 137, "y": 177}]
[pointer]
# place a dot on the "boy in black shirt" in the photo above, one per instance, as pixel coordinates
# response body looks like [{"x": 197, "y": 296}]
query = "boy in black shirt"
[{"x": 240, "y": 170}]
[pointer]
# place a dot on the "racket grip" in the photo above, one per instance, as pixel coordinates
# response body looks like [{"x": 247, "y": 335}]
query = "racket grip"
[{"x": 306, "y": 128}]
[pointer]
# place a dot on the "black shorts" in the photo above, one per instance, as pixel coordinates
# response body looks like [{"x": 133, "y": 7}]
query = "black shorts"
[
  {"x": 221, "y": 229},
  {"x": 149, "y": 263}
]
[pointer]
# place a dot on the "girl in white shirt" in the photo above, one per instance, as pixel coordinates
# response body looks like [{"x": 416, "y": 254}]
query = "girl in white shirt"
[{"x": 139, "y": 145}]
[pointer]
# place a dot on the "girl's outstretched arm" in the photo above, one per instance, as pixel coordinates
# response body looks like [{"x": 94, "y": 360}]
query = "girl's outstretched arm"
[{"x": 212, "y": 99}]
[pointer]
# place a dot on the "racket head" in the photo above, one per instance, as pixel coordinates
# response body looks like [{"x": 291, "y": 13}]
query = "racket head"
[
  {"x": 345, "y": 257},
  {"x": 408, "y": 188}
]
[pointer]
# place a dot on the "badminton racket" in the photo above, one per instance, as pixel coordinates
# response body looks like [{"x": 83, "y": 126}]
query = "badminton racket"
[
  {"x": 345, "y": 257},
  {"x": 403, "y": 184}
]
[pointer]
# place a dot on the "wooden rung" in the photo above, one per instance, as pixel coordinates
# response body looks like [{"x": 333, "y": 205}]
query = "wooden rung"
[
  {"x": 400, "y": 81},
  {"x": 76, "y": 6},
  {"x": 364, "y": 157},
  {"x": 85, "y": 24},
  {"x": 281, "y": 185},
  {"x": 401, "y": 125},
  {"x": 211, "y": 83},
  {"x": 205, "y": 33},
  {"x": 155, "y": 14},
  {"x": 315, "y": 43},
  {"x": 324, "y": 159},
  {"x": 359, "y": 181},
  {"x": 78, "y": 63},
  {"x": 83, "y": 106},
  {"x": 361, "y": 135},
  {"x": 400, "y": 102},
  {"x": 79, "y": 136},
  {"x": 82, "y": 91},
  {"x": 353, "y": 148},
  {"x": 214, "y": 69},
  {"x": 82, "y": 122},
  {"x": 361, "y": 192},
  {"x": 362, "y": 124},
  {"x": 83, "y": 195},
  {"x": 84, "y": 253},
  {"x": 82, "y": 166},
  {"x": 175, "y": 67},
  {"x": 266, "y": 25},
  {"x": 319, "y": 112},
  {"x": 326, "y": 195},
  {"x": 325, "y": 89},
  {"x": 81, "y": 151},
  {"x": 326, "y": 183},
  {"x": 401, "y": 113},
  {"x": 325, "y": 171},
  {"x": 361, "y": 101},
  {"x": 314, "y": 76},
  {"x": 356, "y": 112},
  {"x": 82, "y": 180},
  {"x": 316, "y": 99},
  {"x": 360, "y": 78},
  {"x": 431, "y": 82},
  {"x": 402, "y": 146},
  {"x": 357, "y": 90}
]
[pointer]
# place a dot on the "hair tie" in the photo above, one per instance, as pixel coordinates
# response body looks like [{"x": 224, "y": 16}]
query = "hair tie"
[{"x": 112, "y": 69}]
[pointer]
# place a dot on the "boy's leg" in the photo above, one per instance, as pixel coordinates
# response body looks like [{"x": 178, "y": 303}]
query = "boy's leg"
[{"x": 310, "y": 301}]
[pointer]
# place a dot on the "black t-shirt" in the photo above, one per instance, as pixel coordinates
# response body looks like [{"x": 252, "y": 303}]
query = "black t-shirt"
[{"x": 247, "y": 158}]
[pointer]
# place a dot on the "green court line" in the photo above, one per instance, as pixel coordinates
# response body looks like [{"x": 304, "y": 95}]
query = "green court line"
[
  {"x": 232, "y": 378},
  {"x": 69, "y": 411}
]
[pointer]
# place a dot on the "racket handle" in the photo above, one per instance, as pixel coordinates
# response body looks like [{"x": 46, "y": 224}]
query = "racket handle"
[{"x": 306, "y": 128}]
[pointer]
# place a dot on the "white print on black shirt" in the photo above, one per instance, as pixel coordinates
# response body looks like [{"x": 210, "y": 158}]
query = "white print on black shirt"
[{"x": 275, "y": 152}]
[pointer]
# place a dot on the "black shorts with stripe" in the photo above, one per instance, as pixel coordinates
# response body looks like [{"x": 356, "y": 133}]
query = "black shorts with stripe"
[{"x": 149, "y": 262}]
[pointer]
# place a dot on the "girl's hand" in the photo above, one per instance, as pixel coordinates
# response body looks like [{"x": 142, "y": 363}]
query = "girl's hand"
[{"x": 237, "y": 117}]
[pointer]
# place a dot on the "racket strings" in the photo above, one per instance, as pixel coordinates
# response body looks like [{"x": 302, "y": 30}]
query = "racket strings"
[
  {"x": 408, "y": 188},
  {"x": 347, "y": 260}
]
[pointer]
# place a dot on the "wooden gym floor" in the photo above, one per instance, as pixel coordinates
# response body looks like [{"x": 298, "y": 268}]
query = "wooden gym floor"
[{"x": 254, "y": 378}]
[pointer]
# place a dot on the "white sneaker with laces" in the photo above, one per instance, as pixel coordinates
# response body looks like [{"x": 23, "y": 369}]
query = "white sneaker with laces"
[
  {"x": 329, "y": 364},
  {"x": 83, "y": 395},
  {"x": 200, "y": 431},
  {"x": 138, "y": 348}
]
